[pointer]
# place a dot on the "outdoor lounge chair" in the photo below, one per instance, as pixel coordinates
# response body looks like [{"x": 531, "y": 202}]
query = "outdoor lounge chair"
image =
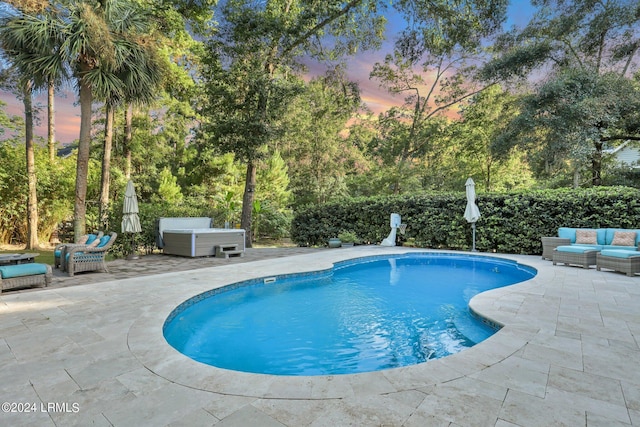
[
  {"x": 84, "y": 258},
  {"x": 58, "y": 252}
]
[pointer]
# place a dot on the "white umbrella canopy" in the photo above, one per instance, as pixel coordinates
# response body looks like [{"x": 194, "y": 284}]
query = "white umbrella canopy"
[
  {"x": 471, "y": 213},
  {"x": 130, "y": 219},
  {"x": 130, "y": 199}
]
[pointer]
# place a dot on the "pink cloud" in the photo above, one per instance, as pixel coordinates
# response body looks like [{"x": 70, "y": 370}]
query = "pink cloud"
[{"x": 67, "y": 114}]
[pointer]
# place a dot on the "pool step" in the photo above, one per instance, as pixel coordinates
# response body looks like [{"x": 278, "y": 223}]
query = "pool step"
[{"x": 228, "y": 250}]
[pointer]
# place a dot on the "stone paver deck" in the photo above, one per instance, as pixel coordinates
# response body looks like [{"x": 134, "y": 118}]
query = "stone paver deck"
[{"x": 94, "y": 354}]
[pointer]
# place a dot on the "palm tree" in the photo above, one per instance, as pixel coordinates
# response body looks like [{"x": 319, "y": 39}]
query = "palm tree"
[
  {"x": 94, "y": 31},
  {"x": 29, "y": 43},
  {"x": 37, "y": 29},
  {"x": 140, "y": 74}
]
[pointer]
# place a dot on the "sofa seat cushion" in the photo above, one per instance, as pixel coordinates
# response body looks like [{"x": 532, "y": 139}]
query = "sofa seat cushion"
[
  {"x": 577, "y": 249},
  {"x": 622, "y": 248},
  {"x": 589, "y": 247},
  {"x": 619, "y": 253},
  {"x": 20, "y": 270}
]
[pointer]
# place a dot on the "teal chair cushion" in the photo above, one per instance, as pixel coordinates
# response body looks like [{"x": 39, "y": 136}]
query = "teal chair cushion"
[
  {"x": 57, "y": 253},
  {"x": 20, "y": 270},
  {"x": 103, "y": 241},
  {"x": 76, "y": 254},
  {"x": 618, "y": 247},
  {"x": 91, "y": 239}
]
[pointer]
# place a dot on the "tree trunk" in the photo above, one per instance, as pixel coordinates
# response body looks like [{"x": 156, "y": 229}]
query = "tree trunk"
[
  {"x": 128, "y": 136},
  {"x": 82, "y": 164},
  {"x": 32, "y": 196},
  {"x": 487, "y": 183},
  {"x": 51, "y": 120},
  {"x": 247, "y": 202},
  {"x": 106, "y": 165},
  {"x": 596, "y": 164}
]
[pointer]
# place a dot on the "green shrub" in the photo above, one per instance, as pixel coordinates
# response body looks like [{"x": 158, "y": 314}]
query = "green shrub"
[{"x": 509, "y": 223}]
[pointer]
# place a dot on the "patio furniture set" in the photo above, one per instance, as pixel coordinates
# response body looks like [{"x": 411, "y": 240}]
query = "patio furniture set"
[
  {"x": 608, "y": 248},
  {"x": 88, "y": 254},
  {"x": 192, "y": 237}
]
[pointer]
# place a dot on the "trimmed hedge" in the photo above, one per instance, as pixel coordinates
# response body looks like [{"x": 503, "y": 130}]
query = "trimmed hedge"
[{"x": 509, "y": 223}]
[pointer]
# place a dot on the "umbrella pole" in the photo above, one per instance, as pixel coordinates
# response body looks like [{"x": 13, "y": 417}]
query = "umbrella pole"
[
  {"x": 473, "y": 226},
  {"x": 133, "y": 254}
]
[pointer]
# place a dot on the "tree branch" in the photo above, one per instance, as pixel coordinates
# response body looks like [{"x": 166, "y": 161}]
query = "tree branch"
[{"x": 320, "y": 25}]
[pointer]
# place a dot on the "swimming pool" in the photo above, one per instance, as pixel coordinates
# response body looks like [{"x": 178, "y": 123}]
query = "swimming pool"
[{"x": 363, "y": 315}]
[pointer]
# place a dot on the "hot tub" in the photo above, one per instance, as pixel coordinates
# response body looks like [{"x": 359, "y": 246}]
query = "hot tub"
[{"x": 201, "y": 241}]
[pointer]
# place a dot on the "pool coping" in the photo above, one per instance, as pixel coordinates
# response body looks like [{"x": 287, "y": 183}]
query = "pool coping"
[{"x": 147, "y": 343}]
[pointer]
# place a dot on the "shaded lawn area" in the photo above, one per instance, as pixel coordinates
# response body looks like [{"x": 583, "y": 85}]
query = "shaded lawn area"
[{"x": 45, "y": 255}]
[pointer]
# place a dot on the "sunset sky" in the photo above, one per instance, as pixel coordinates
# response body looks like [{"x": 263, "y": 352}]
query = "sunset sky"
[{"x": 359, "y": 67}]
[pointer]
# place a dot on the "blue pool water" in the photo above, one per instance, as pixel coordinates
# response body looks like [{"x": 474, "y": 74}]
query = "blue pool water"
[{"x": 363, "y": 315}]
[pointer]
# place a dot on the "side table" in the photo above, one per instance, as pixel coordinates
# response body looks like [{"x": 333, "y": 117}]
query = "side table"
[
  {"x": 550, "y": 243},
  {"x": 13, "y": 259}
]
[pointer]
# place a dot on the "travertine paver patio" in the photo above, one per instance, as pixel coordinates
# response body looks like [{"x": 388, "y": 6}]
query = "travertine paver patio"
[{"x": 94, "y": 354}]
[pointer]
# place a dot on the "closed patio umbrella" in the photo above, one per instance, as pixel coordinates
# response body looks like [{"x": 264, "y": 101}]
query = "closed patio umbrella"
[
  {"x": 472, "y": 213},
  {"x": 130, "y": 219}
]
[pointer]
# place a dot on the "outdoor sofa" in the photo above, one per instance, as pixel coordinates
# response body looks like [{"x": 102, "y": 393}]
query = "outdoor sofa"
[
  {"x": 604, "y": 237},
  {"x": 611, "y": 248}
]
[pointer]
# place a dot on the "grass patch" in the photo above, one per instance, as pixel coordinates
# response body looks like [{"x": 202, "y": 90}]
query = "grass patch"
[{"x": 44, "y": 257}]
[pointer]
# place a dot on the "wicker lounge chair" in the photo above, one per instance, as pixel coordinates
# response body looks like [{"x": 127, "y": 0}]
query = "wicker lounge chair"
[
  {"x": 23, "y": 275},
  {"x": 58, "y": 252},
  {"x": 83, "y": 258},
  {"x": 627, "y": 262}
]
